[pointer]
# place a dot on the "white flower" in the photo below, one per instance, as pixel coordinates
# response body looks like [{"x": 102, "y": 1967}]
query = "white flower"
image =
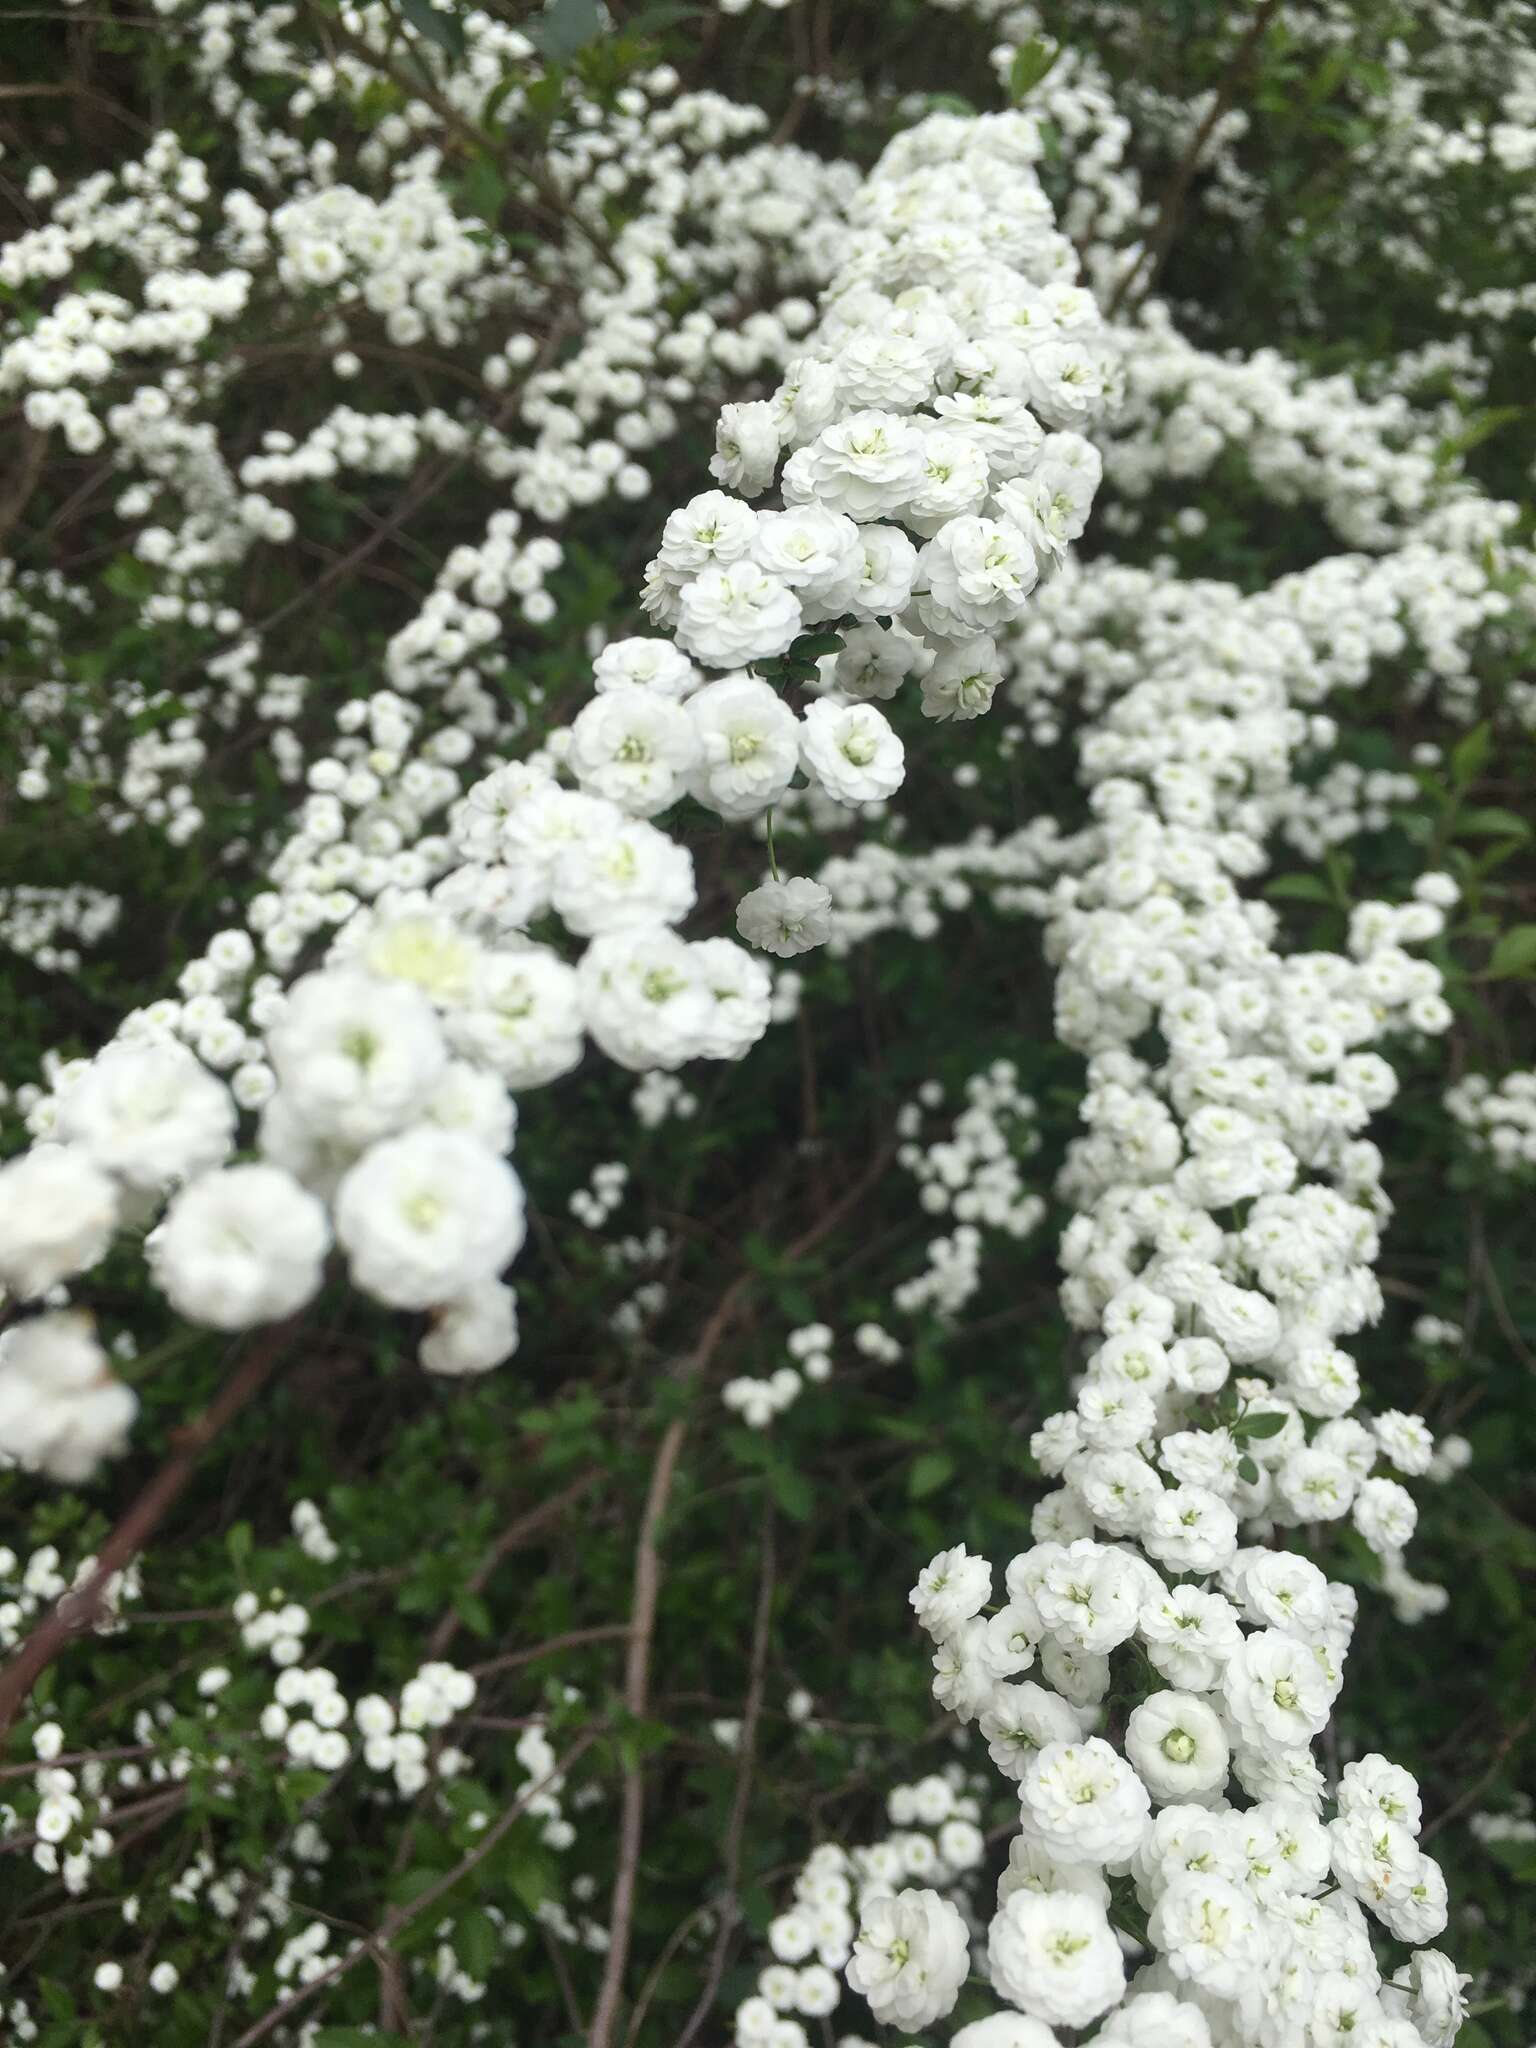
[
  {"x": 868, "y": 465},
  {"x": 1065, "y": 384},
  {"x": 746, "y": 447},
  {"x": 748, "y": 746},
  {"x": 1055, "y": 1955},
  {"x": 633, "y": 747},
  {"x": 1190, "y": 1529},
  {"x": 740, "y": 998},
  {"x": 730, "y": 617},
  {"x": 806, "y": 400},
  {"x": 646, "y": 664},
  {"x": 874, "y": 661},
  {"x": 1050, "y": 506},
  {"x": 1385, "y": 1515},
  {"x": 710, "y": 532},
  {"x": 426, "y": 1216},
  {"x": 430, "y": 951},
  {"x": 1089, "y": 1597},
  {"x": 963, "y": 679},
  {"x": 787, "y": 917},
  {"x": 910, "y": 1958},
  {"x": 955, "y": 481},
  {"x": 633, "y": 876},
  {"x": 61, "y": 1411},
  {"x": 851, "y": 751},
  {"x": 644, "y": 999},
  {"x": 150, "y": 1114},
  {"x": 949, "y": 1590},
  {"x": 1084, "y": 1803},
  {"x": 472, "y": 1333},
  {"x": 240, "y": 1246},
  {"x": 1406, "y": 1440},
  {"x": 523, "y": 1018},
  {"x": 1154, "y": 2019},
  {"x": 58, "y": 1211},
  {"x": 1430, "y": 1991},
  {"x": 974, "y": 576},
  {"x": 1178, "y": 1748},
  {"x": 1275, "y": 1691},
  {"x": 1019, "y": 1720},
  {"x": 817, "y": 553},
  {"x": 1371, "y": 1785},
  {"x": 1004, "y": 2030},
  {"x": 1209, "y": 1932},
  {"x": 355, "y": 1056},
  {"x": 886, "y": 568}
]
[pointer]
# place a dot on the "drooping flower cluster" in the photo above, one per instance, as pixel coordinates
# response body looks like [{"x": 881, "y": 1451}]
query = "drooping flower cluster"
[
  {"x": 923, "y": 500},
  {"x": 1498, "y": 1117}
]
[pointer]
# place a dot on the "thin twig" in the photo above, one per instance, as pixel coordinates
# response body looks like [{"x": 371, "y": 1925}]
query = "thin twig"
[
  {"x": 1160, "y": 241},
  {"x": 647, "y": 1585},
  {"x": 79, "y": 1610},
  {"x": 735, "y": 1834},
  {"x": 71, "y": 89},
  {"x": 608, "y": 1632},
  {"x": 400, "y": 1917},
  {"x": 511, "y": 1538}
]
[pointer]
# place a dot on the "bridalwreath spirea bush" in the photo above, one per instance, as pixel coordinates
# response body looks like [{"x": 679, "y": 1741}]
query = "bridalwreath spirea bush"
[{"x": 677, "y": 689}]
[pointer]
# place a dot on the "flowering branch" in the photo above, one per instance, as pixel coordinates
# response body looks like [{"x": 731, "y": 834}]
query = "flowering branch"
[{"x": 79, "y": 1610}]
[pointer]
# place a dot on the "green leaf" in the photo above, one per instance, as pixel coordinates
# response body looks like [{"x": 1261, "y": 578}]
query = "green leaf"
[
  {"x": 1515, "y": 954},
  {"x": 1468, "y": 755},
  {"x": 1266, "y": 1423},
  {"x": 793, "y": 1492},
  {"x": 477, "y": 1944},
  {"x": 1247, "y": 1471},
  {"x": 238, "y": 1543},
  {"x": 1304, "y": 888},
  {"x": 1031, "y": 63},
  {"x": 532, "y": 1879},
  {"x": 928, "y": 1473},
  {"x": 812, "y": 646},
  {"x": 1487, "y": 820},
  {"x": 1479, "y": 428},
  {"x": 483, "y": 189},
  {"x": 442, "y": 28},
  {"x": 564, "y": 27},
  {"x": 473, "y": 1612}
]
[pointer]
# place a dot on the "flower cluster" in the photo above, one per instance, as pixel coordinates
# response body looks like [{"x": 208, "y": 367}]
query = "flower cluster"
[
  {"x": 848, "y": 1913},
  {"x": 1498, "y": 1117}
]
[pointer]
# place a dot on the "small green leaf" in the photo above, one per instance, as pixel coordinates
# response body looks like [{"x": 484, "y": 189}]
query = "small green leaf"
[
  {"x": 1515, "y": 954},
  {"x": 438, "y": 26},
  {"x": 1303, "y": 888},
  {"x": 532, "y": 1879},
  {"x": 812, "y": 646},
  {"x": 477, "y": 1944},
  {"x": 1266, "y": 1423},
  {"x": 1468, "y": 755},
  {"x": 474, "y": 1614},
  {"x": 563, "y": 28},
  {"x": 1487, "y": 820},
  {"x": 1247, "y": 1471},
  {"x": 928, "y": 1473},
  {"x": 1031, "y": 64},
  {"x": 793, "y": 1492}
]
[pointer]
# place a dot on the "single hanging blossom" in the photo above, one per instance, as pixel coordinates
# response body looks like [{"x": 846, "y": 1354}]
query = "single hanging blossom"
[{"x": 786, "y": 917}]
